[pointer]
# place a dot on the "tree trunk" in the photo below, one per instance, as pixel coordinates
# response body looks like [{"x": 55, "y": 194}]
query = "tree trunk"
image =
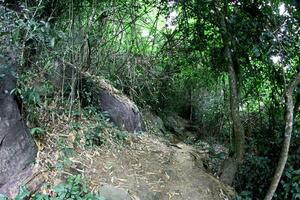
[
  {"x": 289, "y": 118},
  {"x": 230, "y": 168},
  {"x": 297, "y": 102}
]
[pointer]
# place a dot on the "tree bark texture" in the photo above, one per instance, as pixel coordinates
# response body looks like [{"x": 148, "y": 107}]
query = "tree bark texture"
[
  {"x": 289, "y": 118},
  {"x": 238, "y": 129}
]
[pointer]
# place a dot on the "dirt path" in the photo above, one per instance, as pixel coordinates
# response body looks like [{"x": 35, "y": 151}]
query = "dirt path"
[
  {"x": 149, "y": 169},
  {"x": 147, "y": 166}
]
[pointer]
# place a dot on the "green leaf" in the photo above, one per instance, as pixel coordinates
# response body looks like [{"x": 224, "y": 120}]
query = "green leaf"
[
  {"x": 23, "y": 193},
  {"x": 60, "y": 188},
  {"x": 3, "y": 33},
  {"x": 37, "y": 131},
  {"x": 2, "y": 197}
]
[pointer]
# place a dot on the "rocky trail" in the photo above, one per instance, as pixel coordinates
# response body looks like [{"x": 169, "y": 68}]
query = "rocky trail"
[{"x": 149, "y": 169}]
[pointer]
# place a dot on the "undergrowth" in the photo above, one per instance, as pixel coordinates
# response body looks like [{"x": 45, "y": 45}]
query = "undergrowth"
[
  {"x": 73, "y": 188},
  {"x": 63, "y": 134}
]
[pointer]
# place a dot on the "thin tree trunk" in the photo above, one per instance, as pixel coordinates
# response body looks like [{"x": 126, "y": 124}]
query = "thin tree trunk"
[
  {"x": 191, "y": 103},
  {"x": 289, "y": 118},
  {"x": 297, "y": 102},
  {"x": 231, "y": 165},
  {"x": 73, "y": 90}
]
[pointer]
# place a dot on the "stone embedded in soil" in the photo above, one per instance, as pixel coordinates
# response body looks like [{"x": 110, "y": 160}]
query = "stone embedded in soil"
[{"x": 110, "y": 192}]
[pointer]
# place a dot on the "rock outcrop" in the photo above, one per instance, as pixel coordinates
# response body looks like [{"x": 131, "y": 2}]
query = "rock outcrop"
[
  {"x": 121, "y": 110},
  {"x": 17, "y": 148},
  {"x": 97, "y": 91}
]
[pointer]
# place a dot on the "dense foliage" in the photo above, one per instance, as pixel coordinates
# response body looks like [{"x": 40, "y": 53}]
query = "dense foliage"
[
  {"x": 169, "y": 56},
  {"x": 73, "y": 188}
]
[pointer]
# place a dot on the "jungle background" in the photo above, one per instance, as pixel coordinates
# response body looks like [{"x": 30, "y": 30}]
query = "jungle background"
[{"x": 221, "y": 67}]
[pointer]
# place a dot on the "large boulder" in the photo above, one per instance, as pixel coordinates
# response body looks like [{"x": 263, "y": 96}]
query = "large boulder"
[
  {"x": 17, "y": 148},
  {"x": 97, "y": 91},
  {"x": 121, "y": 110}
]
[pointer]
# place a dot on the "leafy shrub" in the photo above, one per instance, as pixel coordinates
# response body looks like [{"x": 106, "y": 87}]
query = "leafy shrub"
[
  {"x": 120, "y": 136},
  {"x": 94, "y": 137},
  {"x": 215, "y": 159},
  {"x": 75, "y": 126},
  {"x": 258, "y": 168},
  {"x": 290, "y": 184},
  {"x": 31, "y": 101},
  {"x": 255, "y": 169},
  {"x": 245, "y": 195},
  {"x": 34, "y": 94},
  {"x": 73, "y": 188},
  {"x": 37, "y": 132},
  {"x": 289, "y": 187}
]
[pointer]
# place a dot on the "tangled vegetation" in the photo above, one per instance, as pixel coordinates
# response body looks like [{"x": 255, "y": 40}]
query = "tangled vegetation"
[{"x": 230, "y": 68}]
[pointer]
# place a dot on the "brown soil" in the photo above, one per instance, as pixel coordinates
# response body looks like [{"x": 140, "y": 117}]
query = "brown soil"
[
  {"x": 147, "y": 166},
  {"x": 150, "y": 169}
]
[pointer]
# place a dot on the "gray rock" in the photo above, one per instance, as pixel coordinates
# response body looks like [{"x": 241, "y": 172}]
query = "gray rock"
[
  {"x": 121, "y": 110},
  {"x": 11, "y": 188},
  {"x": 17, "y": 148},
  {"x": 123, "y": 113},
  {"x": 229, "y": 168},
  {"x": 8, "y": 79},
  {"x": 110, "y": 192}
]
